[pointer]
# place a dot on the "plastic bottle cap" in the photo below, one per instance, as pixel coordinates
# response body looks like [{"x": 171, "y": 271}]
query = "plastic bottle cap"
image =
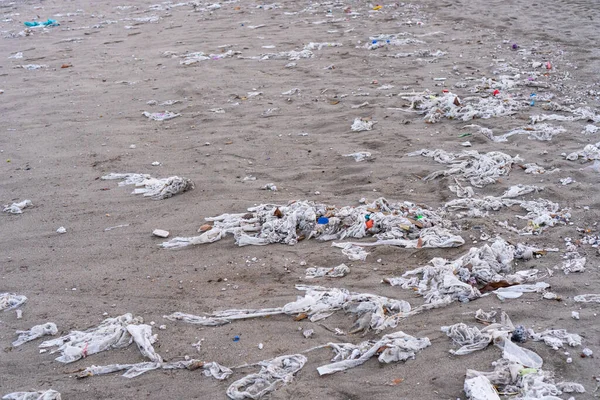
[
  {"x": 323, "y": 221},
  {"x": 236, "y": 338}
]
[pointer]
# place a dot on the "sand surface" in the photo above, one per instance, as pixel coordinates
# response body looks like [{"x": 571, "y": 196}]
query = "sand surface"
[{"x": 64, "y": 128}]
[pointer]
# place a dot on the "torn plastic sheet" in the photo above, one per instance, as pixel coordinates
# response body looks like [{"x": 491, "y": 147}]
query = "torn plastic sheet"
[
  {"x": 156, "y": 189},
  {"x": 35, "y": 332},
  {"x": 587, "y": 298},
  {"x": 434, "y": 237},
  {"x": 112, "y": 333},
  {"x": 556, "y": 338},
  {"x": 406, "y": 224},
  {"x": 542, "y": 132},
  {"x": 394, "y": 347},
  {"x": 353, "y": 252},
  {"x": 319, "y": 46},
  {"x": 362, "y": 124},
  {"x": 534, "y": 169},
  {"x": 143, "y": 338},
  {"x": 590, "y": 129},
  {"x": 443, "y": 282},
  {"x": 39, "y": 395},
  {"x": 471, "y": 338},
  {"x": 291, "y": 55},
  {"x": 273, "y": 373},
  {"x": 132, "y": 370},
  {"x": 541, "y": 213},
  {"x": 578, "y": 114},
  {"x": 359, "y": 156},
  {"x": 514, "y": 378},
  {"x": 590, "y": 152},
  {"x": 373, "y": 311},
  {"x": 335, "y": 272},
  {"x": 570, "y": 387},
  {"x": 450, "y": 106},
  {"x": 480, "y": 169},
  {"x": 480, "y": 388},
  {"x": 9, "y": 301},
  {"x": 576, "y": 264},
  {"x": 161, "y": 116},
  {"x": 17, "y": 208},
  {"x": 516, "y": 291},
  {"x": 196, "y": 57}
]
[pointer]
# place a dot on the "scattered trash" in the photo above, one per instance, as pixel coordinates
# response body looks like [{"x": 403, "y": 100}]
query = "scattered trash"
[
  {"x": 48, "y": 22},
  {"x": 393, "y": 224},
  {"x": 587, "y": 298},
  {"x": 567, "y": 181},
  {"x": 160, "y": 233},
  {"x": 308, "y": 333},
  {"x": 587, "y": 353},
  {"x": 273, "y": 373},
  {"x": 115, "y": 227},
  {"x": 393, "y": 347},
  {"x": 542, "y": 132},
  {"x": 62, "y": 229},
  {"x": 38, "y": 395},
  {"x": 32, "y": 67},
  {"x": 336, "y": 272},
  {"x": 480, "y": 169},
  {"x": 115, "y": 333},
  {"x": 574, "y": 265},
  {"x": 161, "y": 116},
  {"x": 270, "y": 186},
  {"x": 374, "y": 312},
  {"x": 575, "y": 315},
  {"x": 132, "y": 370},
  {"x": 37, "y": 331},
  {"x": 156, "y": 189},
  {"x": 236, "y": 338},
  {"x": 360, "y": 156},
  {"x": 362, "y": 124},
  {"x": 17, "y": 208},
  {"x": 480, "y": 388},
  {"x": 9, "y": 301}
]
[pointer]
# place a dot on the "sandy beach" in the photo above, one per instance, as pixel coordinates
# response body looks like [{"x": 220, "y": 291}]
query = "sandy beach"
[{"x": 266, "y": 94}]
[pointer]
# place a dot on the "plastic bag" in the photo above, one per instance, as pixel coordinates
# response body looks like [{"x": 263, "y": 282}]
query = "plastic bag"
[
  {"x": 273, "y": 373},
  {"x": 35, "y": 332},
  {"x": 8, "y": 301},
  {"x": 17, "y": 208},
  {"x": 40, "y": 395}
]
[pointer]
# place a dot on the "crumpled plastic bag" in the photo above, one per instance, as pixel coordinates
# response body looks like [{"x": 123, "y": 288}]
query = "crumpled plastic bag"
[
  {"x": 480, "y": 169},
  {"x": 443, "y": 281},
  {"x": 273, "y": 373},
  {"x": 110, "y": 333},
  {"x": 543, "y": 132},
  {"x": 35, "y": 332},
  {"x": 132, "y": 370},
  {"x": 17, "y": 208},
  {"x": 8, "y": 301},
  {"x": 393, "y": 347},
  {"x": 480, "y": 388},
  {"x": 587, "y": 298},
  {"x": 556, "y": 338},
  {"x": 161, "y": 116},
  {"x": 156, "y": 189},
  {"x": 335, "y": 272},
  {"x": 39, "y": 395},
  {"x": 362, "y": 124},
  {"x": 526, "y": 383}
]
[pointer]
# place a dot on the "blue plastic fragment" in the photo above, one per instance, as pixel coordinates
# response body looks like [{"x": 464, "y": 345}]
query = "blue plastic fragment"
[{"x": 323, "y": 221}]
